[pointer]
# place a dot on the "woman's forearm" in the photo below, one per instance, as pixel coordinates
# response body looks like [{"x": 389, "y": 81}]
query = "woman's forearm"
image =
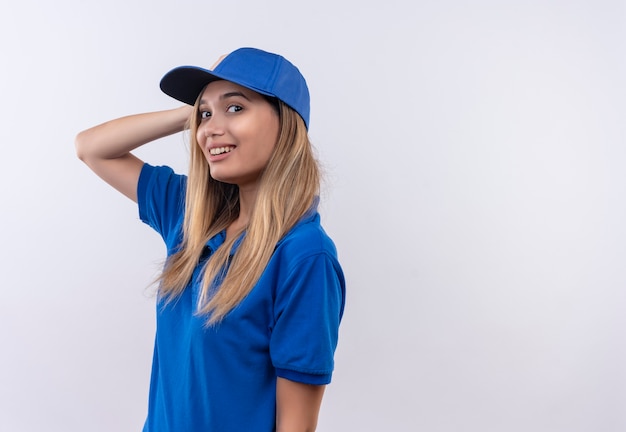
[
  {"x": 118, "y": 137},
  {"x": 106, "y": 148}
]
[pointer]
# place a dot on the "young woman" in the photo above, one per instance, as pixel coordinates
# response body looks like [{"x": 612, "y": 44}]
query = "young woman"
[{"x": 251, "y": 294}]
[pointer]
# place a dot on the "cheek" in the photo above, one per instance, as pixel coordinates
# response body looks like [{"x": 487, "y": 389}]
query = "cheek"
[
  {"x": 266, "y": 145},
  {"x": 270, "y": 137},
  {"x": 261, "y": 136},
  {"x": 200, "y": 140},
  {"x": 199, "y": 145}
]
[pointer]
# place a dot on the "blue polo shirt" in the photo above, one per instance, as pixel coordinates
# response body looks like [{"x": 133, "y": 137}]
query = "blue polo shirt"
[{"x": 223, "y": 378}]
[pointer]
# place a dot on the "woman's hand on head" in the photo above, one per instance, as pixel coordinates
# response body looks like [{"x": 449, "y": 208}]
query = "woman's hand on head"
[{"x": 219, "y": 60}]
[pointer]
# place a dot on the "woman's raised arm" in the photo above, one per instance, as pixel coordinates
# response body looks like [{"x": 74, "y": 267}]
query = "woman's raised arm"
[{"x": 106, "y": 148}]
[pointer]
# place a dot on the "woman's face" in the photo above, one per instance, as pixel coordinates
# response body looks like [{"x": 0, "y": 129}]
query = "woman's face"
[{"x": 237, "y": 132}]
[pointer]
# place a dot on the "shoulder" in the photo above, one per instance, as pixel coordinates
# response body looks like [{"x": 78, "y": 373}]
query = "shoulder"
[
  {"x": 307, "y": 240},
  {"x": 154, "y": 176},
  {"x": 161, "y": 200},
  {"x": 159, "y": 185}
]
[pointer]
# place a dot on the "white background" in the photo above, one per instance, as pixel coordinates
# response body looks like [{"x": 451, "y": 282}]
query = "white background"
[{"x": 475, "y": 163}]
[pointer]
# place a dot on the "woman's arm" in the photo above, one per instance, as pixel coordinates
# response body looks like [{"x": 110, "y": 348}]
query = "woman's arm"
[
  {"x": 106, "y": 148},
  {"x": 297, "y": 405}
]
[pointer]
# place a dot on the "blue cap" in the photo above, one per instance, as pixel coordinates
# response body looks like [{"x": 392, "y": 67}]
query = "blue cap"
[{"x": 265, "y": 73}]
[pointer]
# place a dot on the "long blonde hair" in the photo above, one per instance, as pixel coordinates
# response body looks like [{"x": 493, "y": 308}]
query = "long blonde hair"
[{"x": 287, "y": 189}]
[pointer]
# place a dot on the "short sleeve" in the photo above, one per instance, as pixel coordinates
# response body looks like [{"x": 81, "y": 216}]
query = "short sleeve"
[
  {"x": 161, "y": 200},
  {"x": 308, "y": 309}
]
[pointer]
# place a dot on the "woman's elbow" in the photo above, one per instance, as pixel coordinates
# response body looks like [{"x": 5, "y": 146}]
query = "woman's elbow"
[{"x": 80, "y": 146}]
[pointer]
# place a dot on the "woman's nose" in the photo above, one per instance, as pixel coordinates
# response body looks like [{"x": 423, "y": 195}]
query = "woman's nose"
[{"x": 214, "y": 126}]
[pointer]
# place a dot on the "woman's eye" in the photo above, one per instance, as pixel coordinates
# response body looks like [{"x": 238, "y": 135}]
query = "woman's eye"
[
  {"x": 205, "y": 114},
  {"x": 234, "y": 108}
]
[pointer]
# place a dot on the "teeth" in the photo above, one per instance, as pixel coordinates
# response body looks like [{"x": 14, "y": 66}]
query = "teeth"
[{"x": 219, "y": 150}]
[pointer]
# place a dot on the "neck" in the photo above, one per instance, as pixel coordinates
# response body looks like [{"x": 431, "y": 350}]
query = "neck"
[{"x": 247, "y": 197}]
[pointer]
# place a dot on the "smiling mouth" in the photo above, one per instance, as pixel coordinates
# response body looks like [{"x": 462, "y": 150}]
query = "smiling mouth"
[{"x": 220, "y": 150}]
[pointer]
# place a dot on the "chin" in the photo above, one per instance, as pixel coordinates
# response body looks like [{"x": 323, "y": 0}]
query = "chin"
[{"x": 222, "y": 179}]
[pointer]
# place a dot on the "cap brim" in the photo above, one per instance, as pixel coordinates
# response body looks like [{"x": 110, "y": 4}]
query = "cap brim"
[{"x": 185, "y": 83}]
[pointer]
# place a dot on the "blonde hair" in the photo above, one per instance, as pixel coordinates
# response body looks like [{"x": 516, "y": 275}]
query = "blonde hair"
[{"x": 287, "y": 190}]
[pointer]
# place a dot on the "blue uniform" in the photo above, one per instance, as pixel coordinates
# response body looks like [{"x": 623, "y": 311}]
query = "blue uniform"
[{"x": 224, "y": 378}]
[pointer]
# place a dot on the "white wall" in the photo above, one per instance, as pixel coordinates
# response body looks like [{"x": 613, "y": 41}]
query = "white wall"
[{"x": 475, "y": 158}]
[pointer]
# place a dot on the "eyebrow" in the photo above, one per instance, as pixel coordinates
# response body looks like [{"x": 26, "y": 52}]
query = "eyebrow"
[{"x": 229, "y": 95}]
